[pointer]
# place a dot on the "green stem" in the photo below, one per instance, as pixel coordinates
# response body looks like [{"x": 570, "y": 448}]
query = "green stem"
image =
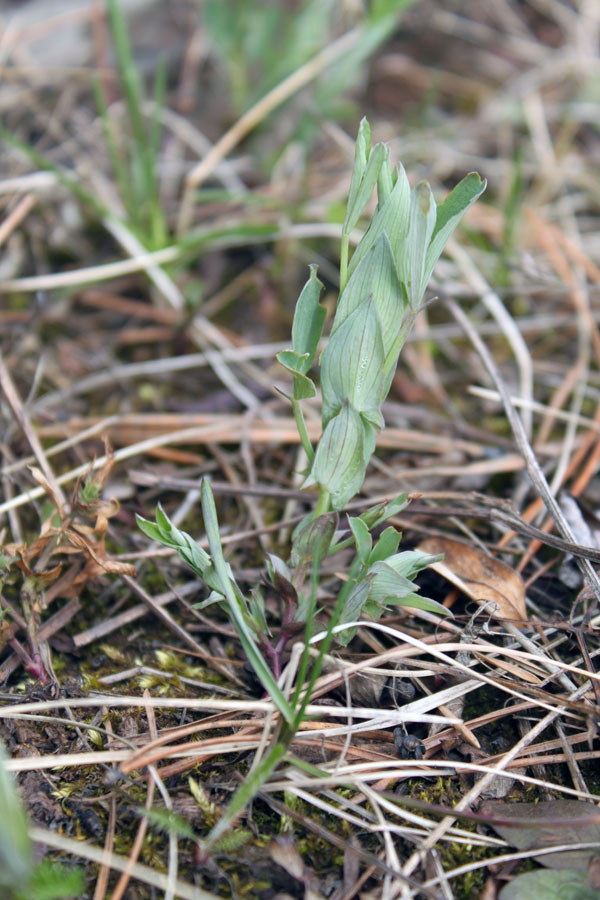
[
  {"x": 325, "y": 645},
  {"x": 323, "y": 503},
  {"x": 344, "y": 261},
  {"x": 303, "y": 667},
  {"x": 301, "y": 426}
]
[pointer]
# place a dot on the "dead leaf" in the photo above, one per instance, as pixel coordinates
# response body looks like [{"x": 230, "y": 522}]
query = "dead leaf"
[
  {"x": 284, "y": 852},
  {"x": 529, "y": 826},
  {"x": 97, "y": 552},
  {"x": 43, "y": 482},
  {"x": 479, "y": 576}
]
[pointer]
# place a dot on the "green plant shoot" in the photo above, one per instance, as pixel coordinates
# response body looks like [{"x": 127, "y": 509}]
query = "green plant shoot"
[{"x": 381, "y": 291}]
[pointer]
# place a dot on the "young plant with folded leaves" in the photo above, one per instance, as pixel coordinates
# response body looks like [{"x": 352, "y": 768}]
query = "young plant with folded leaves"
[{"x": 382, "y": 287}]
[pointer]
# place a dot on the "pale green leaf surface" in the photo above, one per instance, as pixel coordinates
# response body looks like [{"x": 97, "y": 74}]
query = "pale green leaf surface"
[
  {"x": 386, "y": 582},
  {"x": 418, "y": 602},
  {"x": 313, "y": 538},
  {"x": 365, "y": 188},
  {"x": 352, "y": 364},
  {"x": 386, "y": 546},
  {"x": 353, "y": 610},
  {"x": 385, "y": 182},
  {"x": 376, "y": 276},
  {"x": 150, "y": 529},
  {"x": 295, "y": 363},
  {"x": 309, "y": 318},
  {"x": 362, "y": 149},
  {"x": 410, "y": 562},
  {"x": 449, "y": 214},
  {"x": 339, "y": 465},
  {"x": 304, "y": 387},
  {"x": 411, "y": 259},
  {"x": 362, "y": 538},
  {"x": 380, "y": 513},
  {"x": 392, "y": 218}
]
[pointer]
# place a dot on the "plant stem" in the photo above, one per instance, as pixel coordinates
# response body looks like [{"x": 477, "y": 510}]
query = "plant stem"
[
  {"x": 323, "y": 503},
  {"x": 303, "y": 433},
  {"x": 300, "y": 705},
  {"x": 344, "y": 261},
  {"x": 310, "y": 617}
]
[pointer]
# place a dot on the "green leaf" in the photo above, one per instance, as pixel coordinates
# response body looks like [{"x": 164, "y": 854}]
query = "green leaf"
[
  {"x": 392, "y": 585},
  {"x": 380, "y": 513},
  {"x": 256, "y": 605},
  {"x": 362, "y": 539},
  {"x": 449, "y": 214},
  {"x": 352, "y": 365},
  {"x": 150, "y": 529},
  {"x": 313, "y": 538},
  {"x": 362, "y": 149},
  {"x": 386, "y": 546},
  {"x": 236, "y": 605},
  {"x": 411, "y": 261},
  {"x": 383, "y": 9},
  {"x": 359, "y": 197},
  {"x": 233, "y": 841},
  {"x": 309, "y": 318},
  {"x": 387, "y": 585},
  {"x": 392, "y": 218},
  {"x": 16, "y": 856},
  {"x": 352, "y": 610},
  {"x": 375, "y": 275},
  {"x": 561, "y": 884},
  {"x": 385, "y": 182},
  {"x": 409, "y": 563},
  {"x": 296, "y": 363},
  {"x": 163, "y": 521},
  {"x": 341, "y": 460},
  {"x": 188, "y": 549},
  {"x": 213, "y": 597},
  {"x": 416, "y": 601}
]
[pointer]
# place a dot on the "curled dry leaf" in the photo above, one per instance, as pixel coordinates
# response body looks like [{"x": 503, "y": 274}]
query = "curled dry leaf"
[
  {"x": 22, "y": 554},
  {"x": 95, "y": 550},
  {"x": 480, "y": 576},
  {"x": 43, "y": 482}
]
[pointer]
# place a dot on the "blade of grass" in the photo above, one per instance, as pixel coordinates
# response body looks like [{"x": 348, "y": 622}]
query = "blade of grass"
[
  {"x": 248, "y": 790},
  {"x": 110, "y": 138}
]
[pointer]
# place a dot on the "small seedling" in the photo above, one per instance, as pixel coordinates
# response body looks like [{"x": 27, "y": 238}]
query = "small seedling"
[{"x": 381, "y": 292}]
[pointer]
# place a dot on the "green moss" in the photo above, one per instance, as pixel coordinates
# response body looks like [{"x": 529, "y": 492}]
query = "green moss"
[{"x": 447, "y": 792}]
